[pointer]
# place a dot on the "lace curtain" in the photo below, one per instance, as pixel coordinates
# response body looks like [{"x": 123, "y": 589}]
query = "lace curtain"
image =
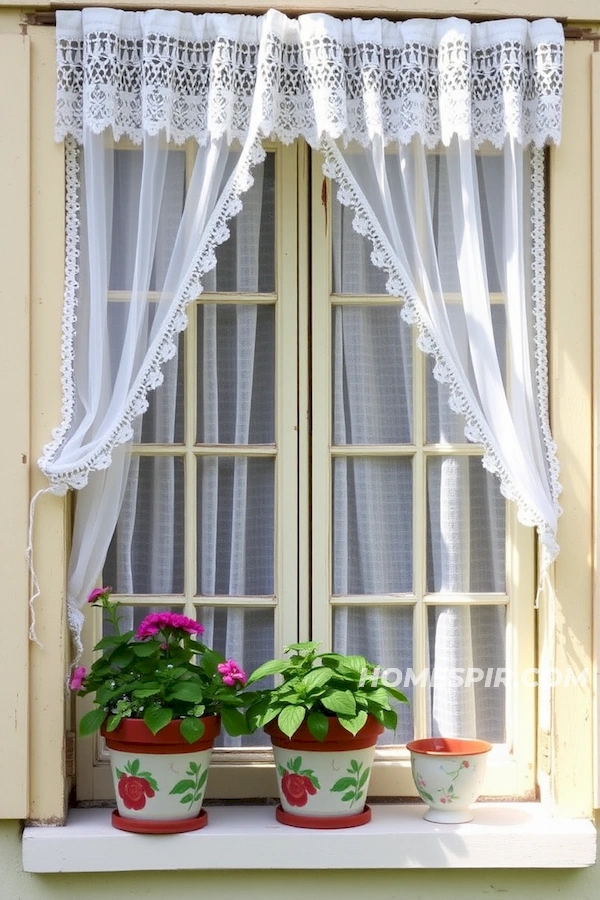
[{"x": 375, "y": 97}]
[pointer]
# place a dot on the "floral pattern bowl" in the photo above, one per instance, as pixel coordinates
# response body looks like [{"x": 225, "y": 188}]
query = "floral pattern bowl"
[{"x": 448, "y": 774}]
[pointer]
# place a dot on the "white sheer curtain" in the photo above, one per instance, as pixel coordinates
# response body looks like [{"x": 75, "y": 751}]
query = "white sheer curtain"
[{"x": 400, "y": 111}]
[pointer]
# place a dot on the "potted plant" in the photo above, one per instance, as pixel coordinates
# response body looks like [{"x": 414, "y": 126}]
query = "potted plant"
[
  {"x": 323, "y": 719},
  {"x": 161, "y": 696}
]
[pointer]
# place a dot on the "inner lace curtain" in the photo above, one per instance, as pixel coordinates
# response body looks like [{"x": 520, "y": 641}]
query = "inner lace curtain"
[{"x": 399, "y": 111}]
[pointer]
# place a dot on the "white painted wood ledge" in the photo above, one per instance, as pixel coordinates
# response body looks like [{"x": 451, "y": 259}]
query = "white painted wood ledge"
[{"x": 502, "y": 835}]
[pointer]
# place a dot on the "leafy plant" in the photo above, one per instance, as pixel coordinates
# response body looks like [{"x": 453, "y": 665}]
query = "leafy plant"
[
  {"x": 318, "y": 686},
  {"x": 159, "y": 673}
]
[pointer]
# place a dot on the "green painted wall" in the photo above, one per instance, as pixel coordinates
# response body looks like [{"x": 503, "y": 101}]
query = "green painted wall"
[{"x": 532, "y": 884}]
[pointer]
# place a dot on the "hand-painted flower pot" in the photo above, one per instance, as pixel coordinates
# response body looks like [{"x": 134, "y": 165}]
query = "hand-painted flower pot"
[
  {"x": 448, "y": 774},
  {"x": 324, "y": 784},
  {"x": 159, "y": 779}
]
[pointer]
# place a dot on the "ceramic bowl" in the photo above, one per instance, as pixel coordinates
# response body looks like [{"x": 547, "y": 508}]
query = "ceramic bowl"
[{"x": 448, "y": 774}]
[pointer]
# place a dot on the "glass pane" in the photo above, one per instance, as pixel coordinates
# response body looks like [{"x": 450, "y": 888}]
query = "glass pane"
[
  {"x": 489, "y": 171},
  {"x": 384, "y": 635},
  {"x": 372, "y": 376},
  {"x": 246, "y": 261},
  {"x": 236, "y": 512},
  {"x": 372, "y": 526},
  {"x": 246, "y": 635},
  {"x": 467, "y": 652},
  {"x": 146, "y": 552},
  {"x": 163, "y": 421},
  {"x": 236, "y": 374},
  {"x": 353, "y": 271},
  {"x": 466, "y": 527},
  {"x": 443, "y": 424},
  {"x": 128, "y": 165}
]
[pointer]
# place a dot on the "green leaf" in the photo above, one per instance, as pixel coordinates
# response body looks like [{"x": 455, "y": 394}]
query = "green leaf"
[
  {"x": 273, "y": 667},
  {"x": 349, "y": 797},
  {"x": 91, "y": 721},
  {"x": 318, "y": 724},
  {"x": 149, "y": 691},
  {"x": 340, "y": 702},
  {"x": 133, "y": 767},
  {"x": 147, "y": 648},
  {"x": 303, "y": 647},
  {"x": 234, "y": 722},
  {"x": 354, "y": 664},
  {"x": 193, "y": 768},
  {"x": 182, "y": 786},
  {"x": 342, "y": 784},
  {"x": 122, "y": 657},
  {"x": 189, "y": 798},
  {"x": 353, "y": 724},
  {"x": 113, "y": 722},
  {"x": 156, "y": 717},
  {"x": 317, "y": 678},
  {"x": 389, "y": 718},
  {"x": 189, "y": 691},
  {"x": 290, "y": 719},
  {"x": 203, "y": 778},
  {"x": 109, "y": 642},
  {"x": 364, "y": 778},
  {"x": 191, "y": 729}
]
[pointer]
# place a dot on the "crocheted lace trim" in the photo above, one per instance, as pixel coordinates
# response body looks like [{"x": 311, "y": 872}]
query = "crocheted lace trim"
[{"x": 201, "y": 76}]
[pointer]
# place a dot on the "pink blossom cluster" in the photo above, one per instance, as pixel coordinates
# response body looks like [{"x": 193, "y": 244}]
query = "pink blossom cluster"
[
  {"x": 77, "y": 678},
  {"x": 231, "y": 672},
  {"x": 102, "y": 593},
  {"x": 156, "y": 622}
]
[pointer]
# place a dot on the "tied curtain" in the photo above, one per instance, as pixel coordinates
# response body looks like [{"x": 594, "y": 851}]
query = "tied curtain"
[{"x": 401, "y": 112}]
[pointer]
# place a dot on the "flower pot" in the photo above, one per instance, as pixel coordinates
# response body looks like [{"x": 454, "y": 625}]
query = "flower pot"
[
  {"x": 159, "y": 779},
  {"x": 448, "y": 774},
  {"x": 324, "y": 784}
]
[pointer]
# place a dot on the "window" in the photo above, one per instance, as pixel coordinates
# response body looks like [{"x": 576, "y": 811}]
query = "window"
[
  {"x": 569, "y": 302},
  {"x": 299, "y": 474}
]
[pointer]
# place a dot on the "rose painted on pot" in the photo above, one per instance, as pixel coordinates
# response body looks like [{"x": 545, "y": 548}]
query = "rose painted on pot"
[
  {"x": 134, "y": 791},
  {"x": 296, "y": 788}
]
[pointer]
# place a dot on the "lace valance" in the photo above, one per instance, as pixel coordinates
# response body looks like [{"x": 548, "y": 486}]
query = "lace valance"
[{"x": 202, "y": 76}]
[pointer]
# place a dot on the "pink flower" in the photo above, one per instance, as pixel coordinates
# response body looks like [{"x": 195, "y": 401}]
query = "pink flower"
[
  {"x": 231, "y": 672},
  {"x": 99, "y": 594},
  {"x": 155, "y": 622},
  {"x": 77, "y": 678}
]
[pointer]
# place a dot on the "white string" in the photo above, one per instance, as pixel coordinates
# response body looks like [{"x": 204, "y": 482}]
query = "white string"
[{"x": 34, "y": 585}]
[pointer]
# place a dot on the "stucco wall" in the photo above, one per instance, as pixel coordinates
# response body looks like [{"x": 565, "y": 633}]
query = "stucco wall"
[{"x": 542, "y": 884}]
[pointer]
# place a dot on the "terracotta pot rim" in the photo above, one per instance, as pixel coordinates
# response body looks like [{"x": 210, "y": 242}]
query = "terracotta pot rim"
[
  {"x": 134, "y": 736},
  {"x": 440, "y": 746},
  {"x": 337, "y": 736}
]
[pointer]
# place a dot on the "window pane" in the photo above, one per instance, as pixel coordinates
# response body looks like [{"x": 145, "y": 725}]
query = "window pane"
[
  {"x": 372, "y": 525},
  {"x": 443, "y": 424},
  {"x": 236, "y": 374},
  {"x": 372, "y": 376},
  {"x": 353, "y": 271},
  {"x": 128, "y": 166},
  {"x": 466, "y": 526},
  {"x": 246, "y": 261},
  {"x": 467, "y": 646},
  {"x": 146, "y": 552},
  {"x": 384, "y": 635},
  {"x": 236, "y": 511}
]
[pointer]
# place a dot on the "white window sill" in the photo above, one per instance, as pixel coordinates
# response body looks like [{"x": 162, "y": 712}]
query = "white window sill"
[{"x": 502, "y": 835}]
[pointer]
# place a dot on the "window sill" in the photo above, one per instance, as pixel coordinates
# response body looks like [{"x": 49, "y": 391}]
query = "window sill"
[{"x": 507, "y": 835}]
